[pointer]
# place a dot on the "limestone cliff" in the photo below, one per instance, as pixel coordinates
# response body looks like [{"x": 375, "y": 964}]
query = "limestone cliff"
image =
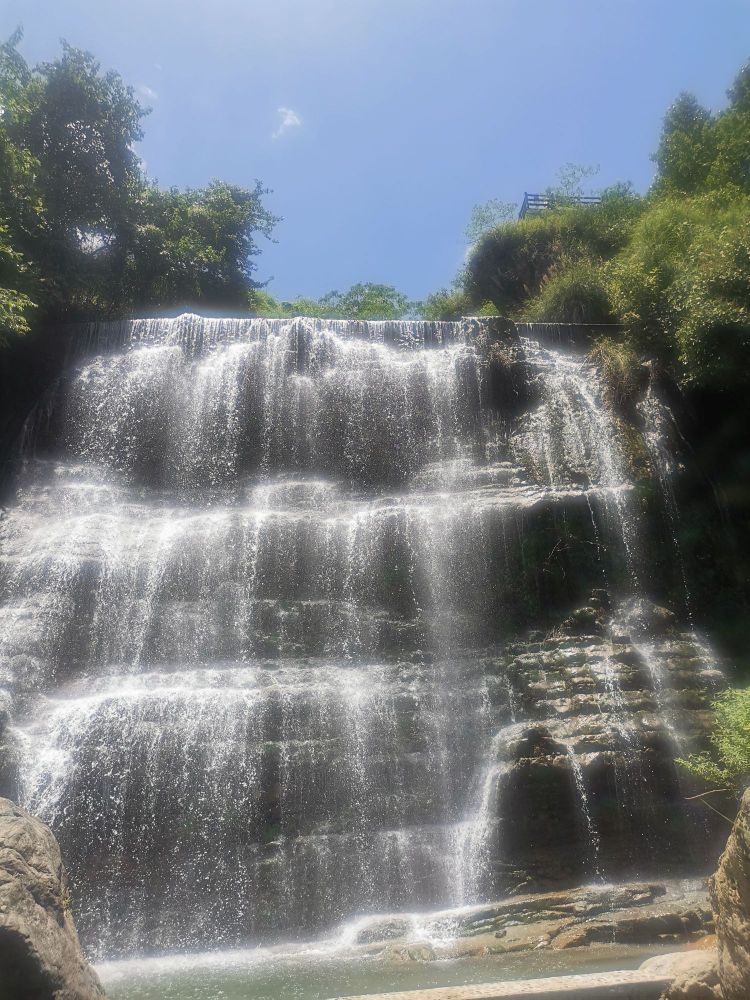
[
  {"x": 40, "y": 956},
  {"x": 730, "y": 897}
]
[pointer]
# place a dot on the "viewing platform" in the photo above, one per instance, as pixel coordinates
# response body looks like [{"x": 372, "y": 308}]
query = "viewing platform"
[
  {"x": 534, "y": 203},
  {"x": 636, "y": 984}
]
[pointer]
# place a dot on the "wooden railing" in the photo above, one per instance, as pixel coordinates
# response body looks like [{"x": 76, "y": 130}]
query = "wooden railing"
[{"x": 539, "y": 202}]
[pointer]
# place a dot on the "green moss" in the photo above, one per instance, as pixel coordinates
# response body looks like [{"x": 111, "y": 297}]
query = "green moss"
[
  {"x": 271, "y": 833},
  {"x": 635, "y": 451}
]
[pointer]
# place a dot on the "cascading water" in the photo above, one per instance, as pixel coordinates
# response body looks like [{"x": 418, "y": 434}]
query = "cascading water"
[
  {"x": 659, "y": 429},
  {"x": 270, "y": 591}
]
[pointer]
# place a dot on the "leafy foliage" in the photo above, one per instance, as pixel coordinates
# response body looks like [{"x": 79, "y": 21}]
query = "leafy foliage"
[
  {"x": 80, "y": 125},
  {"x": 727, "y": 765},
  {"x": 573, "y": 291},
  {"x": 682, "y": 286},
  {"x": 448, "y": 304},
  {"x": 194, "y": 245},
  {"x": 364, "y": 301},
  {"x": 15, "y": 305},
  {"x": 82, "y": 231},
  {"x": 686, "y": 148},
  {"x": 367, "y": 301},
  {"x": 673, "y": 268},
  {"x": 702, "y": 152},
  {"x": 511, "y": 263}
]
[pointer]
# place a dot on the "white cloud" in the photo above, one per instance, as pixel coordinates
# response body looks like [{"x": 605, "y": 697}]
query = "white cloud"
[
  {"x": 147, "y": 93},
  {"x": 287, "y": 119}
]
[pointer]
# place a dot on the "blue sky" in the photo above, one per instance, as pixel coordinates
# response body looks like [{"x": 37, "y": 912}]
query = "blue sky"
[{"x": 379, "y": 123}]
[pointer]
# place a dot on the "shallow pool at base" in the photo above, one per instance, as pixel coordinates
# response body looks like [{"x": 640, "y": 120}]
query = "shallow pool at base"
[{"x": 246, "y": 975}]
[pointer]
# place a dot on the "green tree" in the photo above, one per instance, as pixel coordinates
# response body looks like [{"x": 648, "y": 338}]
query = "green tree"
[
  {"x": 82, "y": 231},
  {"x": 194, "y": 246},
  {"x": 731, "y": 164},
  {"x": 20, "y": 191},
  {"x": 81, "y": 125},
  {"x": 686, "y": 149},
  {"x": 453, "y": 304},
  {"x": 22, "y": 210},
  {"x": 262, "y": 303},
  {"x": 701, "y": 152},
  {"x": 78, "y": 125},
  {"x": 367, "y": 300}
]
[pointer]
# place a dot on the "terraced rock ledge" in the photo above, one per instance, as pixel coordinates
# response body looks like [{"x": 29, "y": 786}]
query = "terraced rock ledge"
[{"x": 638, "y": 913}]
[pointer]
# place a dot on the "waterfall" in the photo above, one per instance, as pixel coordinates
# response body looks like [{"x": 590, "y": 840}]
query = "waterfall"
[{"x": 275, "y": 599}]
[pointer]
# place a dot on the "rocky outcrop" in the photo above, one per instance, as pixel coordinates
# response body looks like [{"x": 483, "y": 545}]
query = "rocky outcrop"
[
  {"x": 636, "y": 913},
  {"x": 730, "y": 897},
  {"x": 695, "y": 974},
  {"x": 602, "y": 703},
  {"x": 40, "y": 955}
]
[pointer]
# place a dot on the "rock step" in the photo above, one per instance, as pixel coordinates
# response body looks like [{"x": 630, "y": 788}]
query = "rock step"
[{"x": 624, "y": 985}]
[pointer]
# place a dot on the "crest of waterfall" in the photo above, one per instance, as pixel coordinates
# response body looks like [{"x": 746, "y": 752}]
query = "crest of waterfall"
[{"x": 282, "y": 607}]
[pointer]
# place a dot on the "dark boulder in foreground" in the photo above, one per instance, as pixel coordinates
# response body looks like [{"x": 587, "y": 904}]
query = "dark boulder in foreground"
[
  {"x": 40, "y": 955},
  {"x": 730, "y": 897}
]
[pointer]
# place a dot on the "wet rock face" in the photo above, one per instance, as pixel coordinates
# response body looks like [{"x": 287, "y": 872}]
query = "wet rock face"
[
  {"x": 730, "y": 897},
  {"x": 8, "y": 753},
  {"x": 635, "y": 913},
  {"x": 603, "y": 705},
  {"x": 510, "y": 387},
  {"x": 40, "y": 956},
  {"x": 641, "y": 617}
]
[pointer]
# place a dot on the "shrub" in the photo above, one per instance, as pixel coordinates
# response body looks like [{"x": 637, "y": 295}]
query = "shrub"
[
  {"x": 261, "y": 303},
  {"x": 710, "y": 299},
  {"x": 511, "y": 262},
  {"x": 573, "y": 291},
  {"x": 447, "y": 304},
  {"x": 682, "y": 285},
  {"x": 727, "y": 765}
]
